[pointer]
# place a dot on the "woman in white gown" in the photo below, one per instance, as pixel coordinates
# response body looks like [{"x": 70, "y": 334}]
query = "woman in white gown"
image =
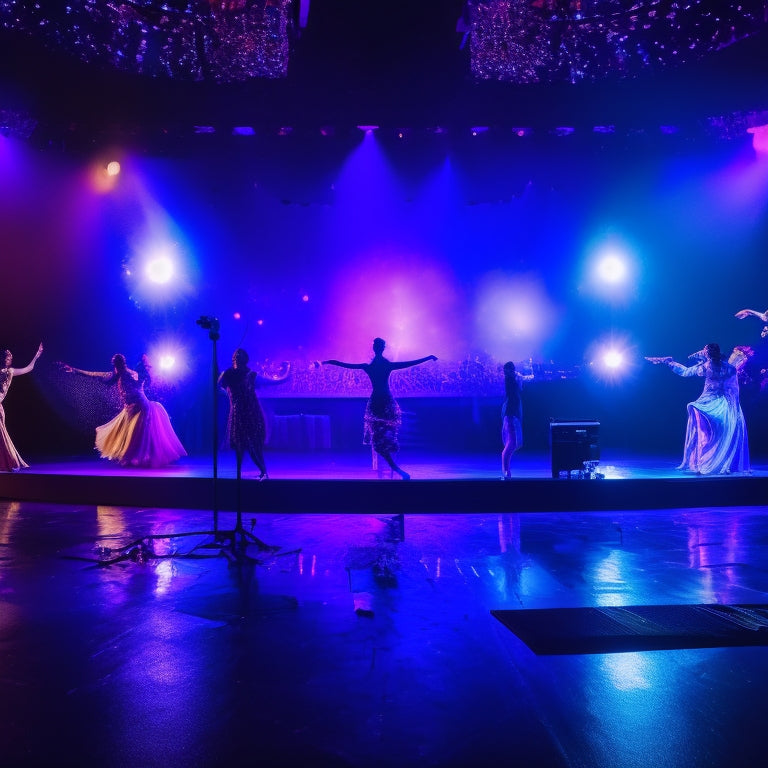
[
  {"x": 716, "y": 434},
  {"x": 10, "y": 459},
  {"x": 140, "y": 435}
]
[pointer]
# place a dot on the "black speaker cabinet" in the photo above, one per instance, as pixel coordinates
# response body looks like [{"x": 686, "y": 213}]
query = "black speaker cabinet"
[{"x": 572, "y": 443}]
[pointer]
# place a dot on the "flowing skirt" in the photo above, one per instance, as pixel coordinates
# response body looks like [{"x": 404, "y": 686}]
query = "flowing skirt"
[
  {"x": 381, "y": 425},
  {"x": 9, "y": 456},
  {"x": 715, "y": 437},
  {"x": 140, "y": 435}
]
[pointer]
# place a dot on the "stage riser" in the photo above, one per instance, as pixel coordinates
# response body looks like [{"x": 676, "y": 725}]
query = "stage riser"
[{"x": 386, "y": 496}]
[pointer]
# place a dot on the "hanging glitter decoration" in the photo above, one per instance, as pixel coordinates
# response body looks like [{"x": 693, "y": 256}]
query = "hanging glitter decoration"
[
  {"x": 543, "y": 41},
  {"x": 220, "y": 40}
]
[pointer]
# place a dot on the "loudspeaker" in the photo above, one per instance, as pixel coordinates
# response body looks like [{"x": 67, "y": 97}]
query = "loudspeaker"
[{"x": 572, "y": 443}]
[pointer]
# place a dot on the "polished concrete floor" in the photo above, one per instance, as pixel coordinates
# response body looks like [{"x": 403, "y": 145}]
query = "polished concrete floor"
[{"x": 361, "y": 640}]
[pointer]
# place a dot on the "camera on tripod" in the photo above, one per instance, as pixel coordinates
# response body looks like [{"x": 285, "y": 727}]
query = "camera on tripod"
[{"x": 210, "y": 324}]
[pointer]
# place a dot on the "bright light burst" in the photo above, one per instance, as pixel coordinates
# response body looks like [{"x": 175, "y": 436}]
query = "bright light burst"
[
  {"x": 159, "y": 269},
  {"x": 612, "y": 358}
]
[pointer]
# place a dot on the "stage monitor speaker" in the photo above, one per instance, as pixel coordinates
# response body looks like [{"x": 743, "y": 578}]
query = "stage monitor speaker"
[{"x": 572, "y": 443}]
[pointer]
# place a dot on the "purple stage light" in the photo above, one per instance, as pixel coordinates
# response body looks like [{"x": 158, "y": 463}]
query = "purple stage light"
[{"x": 759, "y": 138}]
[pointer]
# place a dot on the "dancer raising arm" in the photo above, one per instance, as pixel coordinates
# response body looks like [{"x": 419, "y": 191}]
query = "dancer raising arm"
[
  {"x": 382, "y": 413},
  {"x": 716, "y": 433},
  {"x": 512, "y": 416},
  {"x": 10, "y": 460},
  {"x": 140, "y": 435},
  {"x": 246, "y": 425},
  {"x": 763, "y": 316}
]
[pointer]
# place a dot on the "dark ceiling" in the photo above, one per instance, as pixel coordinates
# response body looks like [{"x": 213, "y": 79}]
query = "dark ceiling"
[{"x": 398, "y": 64}]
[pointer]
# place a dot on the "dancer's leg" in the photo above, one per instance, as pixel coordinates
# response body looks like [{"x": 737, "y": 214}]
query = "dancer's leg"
[
  {"x": 388, "y": 458},
  {"x": 258, "y": 460}
]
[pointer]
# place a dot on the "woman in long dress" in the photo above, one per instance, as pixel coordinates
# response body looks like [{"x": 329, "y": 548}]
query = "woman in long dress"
[
  {"x": 140, "y": 435},
  {"x": 716, "y": 432},
  {"x": 10, "y": 460},
  {"x": 512, "y": 416},
  {"x": 246, "y": 425},
  {"x": 382, "y": 413}
]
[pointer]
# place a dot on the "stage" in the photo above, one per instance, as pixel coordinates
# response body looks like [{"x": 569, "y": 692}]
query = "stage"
[{"x": 325, "y": 482}]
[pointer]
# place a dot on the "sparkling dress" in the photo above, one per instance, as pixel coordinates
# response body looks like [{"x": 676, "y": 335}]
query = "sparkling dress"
[
  {"x": 246, "y": 425},
  {"x": 9, "y": 456},
  {"x": 140, "y": 435},
  {"x": 381, "y": 423},
  {"x": 716, "y": 434}
]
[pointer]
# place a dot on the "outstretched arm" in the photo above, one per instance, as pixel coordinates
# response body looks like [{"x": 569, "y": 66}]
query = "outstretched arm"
[
  {"x": 93, "y": 374},
  {"x": 411, "y": 363},
  {"x": 742, "y": 313},
  {"x": 31, "y": 365},
  {"x": 344, "y": 365},
  {"x": 678, "y": 368}
]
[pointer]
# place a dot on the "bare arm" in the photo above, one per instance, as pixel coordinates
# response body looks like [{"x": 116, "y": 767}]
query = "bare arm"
[
  {"x": 31, "y": 365},
  {"x": 94, "y": 374},
  {"x": 411, "y": 363},
  {"x": 344, "y": 365},
  {"x": 742, "y": 313}
]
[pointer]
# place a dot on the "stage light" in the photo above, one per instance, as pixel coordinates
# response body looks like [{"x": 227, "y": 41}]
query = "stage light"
[
  {"x": 478, "y": 129},
  {"x": 368, "y": 128},
  {"x": 237, "y": 316},
  {"x": 613, "y": 359},
  {"x": 159, "y": 270},
  {"x": 612, "y": 268},
  {"x": 167, "y": 362},
  {"x": 305, "y": 298},
  {"x": 113, "y": 168},
  {"x": 243, "y": 130}
]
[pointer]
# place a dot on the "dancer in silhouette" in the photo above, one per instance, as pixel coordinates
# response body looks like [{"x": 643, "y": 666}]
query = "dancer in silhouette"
[
  {"x": 382, "y": 413},
  {"x": 10, "y": 460},
  {"x": 512, "y": 416},
  {"x": 246, "y": 425}
]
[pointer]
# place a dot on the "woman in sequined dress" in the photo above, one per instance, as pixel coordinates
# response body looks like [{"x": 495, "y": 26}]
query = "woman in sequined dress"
[
  {"x": 10, "y": 460},
  {"x": 382, "y": 413},
  {"x": 246, "y": 426}
]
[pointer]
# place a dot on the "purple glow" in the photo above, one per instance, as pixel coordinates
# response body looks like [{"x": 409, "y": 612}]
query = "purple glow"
[
  {"x": 514, "y": 315},
  {"x": 759, "y": 138}
]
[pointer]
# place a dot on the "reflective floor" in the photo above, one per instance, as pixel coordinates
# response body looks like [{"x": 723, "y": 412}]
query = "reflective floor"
[{"x": 356, "y": 640}]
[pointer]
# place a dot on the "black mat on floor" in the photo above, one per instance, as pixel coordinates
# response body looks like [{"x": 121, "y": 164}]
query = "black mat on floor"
[{"x": 548, "y": 631}]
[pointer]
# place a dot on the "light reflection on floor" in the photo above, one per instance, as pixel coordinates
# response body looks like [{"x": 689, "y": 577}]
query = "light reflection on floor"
[{"x": 364, "y": 640}]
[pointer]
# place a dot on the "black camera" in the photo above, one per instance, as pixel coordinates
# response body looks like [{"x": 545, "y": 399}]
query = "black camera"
[{"x": 208, "y": 322}]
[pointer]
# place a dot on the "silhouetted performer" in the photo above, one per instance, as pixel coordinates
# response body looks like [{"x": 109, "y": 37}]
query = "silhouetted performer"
[
  {"x": 140, "y": 435},
  {"x": 512, "y": 416},
  {"x": 716, "y": 434},
  {"x": 246, "y": 425},
  {"x": 10, "y": 459},
  {"x": 382, "y": 413}
]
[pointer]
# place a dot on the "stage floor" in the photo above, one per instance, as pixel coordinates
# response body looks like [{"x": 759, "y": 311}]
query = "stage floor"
[
  {"x": 367, "y": 641},
  {"x": 326, "y": 482}
]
